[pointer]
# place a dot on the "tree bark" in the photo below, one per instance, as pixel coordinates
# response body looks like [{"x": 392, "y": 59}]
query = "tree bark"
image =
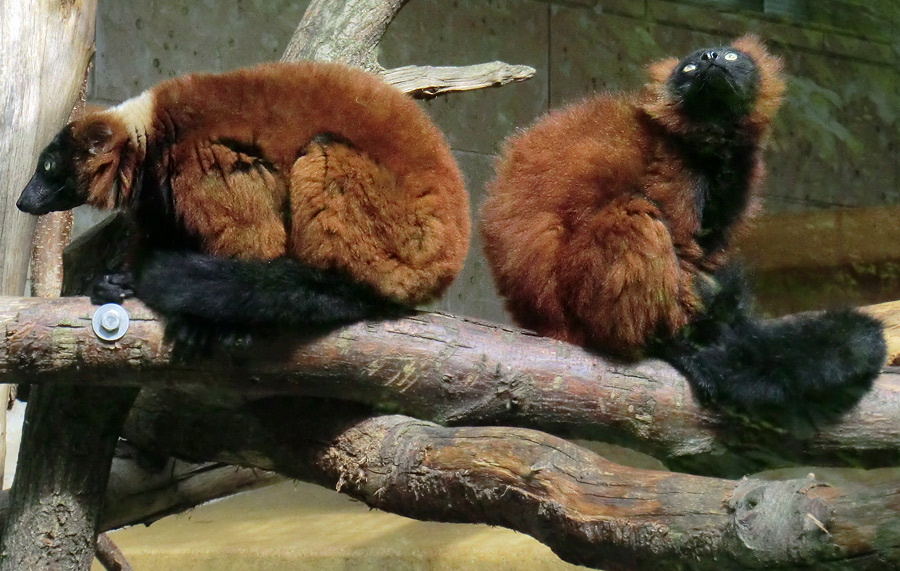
[
  {"x": 56, "y": 498},
  {"x": 46, "y": 47},
  {"x": 452, "y": 371},
  {"x": 343, "y": 30},
  {"x": 53, "y": 230},
  {"x": 110, "y": 556},
  {"x": 588, "y": 510}
]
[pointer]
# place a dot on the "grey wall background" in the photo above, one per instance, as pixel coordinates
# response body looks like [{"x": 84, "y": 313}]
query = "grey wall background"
[{"x": 835, "y": 143}]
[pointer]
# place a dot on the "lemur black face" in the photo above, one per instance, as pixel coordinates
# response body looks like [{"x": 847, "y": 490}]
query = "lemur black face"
[
  {"x": 715, "y": 83},
  {"x": 53, "y": 186}
]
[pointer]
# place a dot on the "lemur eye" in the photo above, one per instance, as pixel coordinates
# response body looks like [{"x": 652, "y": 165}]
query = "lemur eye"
[
  {"x": 730, "y": 56},
  {"x": 689, "y": 68},
  {"x": 48, "y": 165}
]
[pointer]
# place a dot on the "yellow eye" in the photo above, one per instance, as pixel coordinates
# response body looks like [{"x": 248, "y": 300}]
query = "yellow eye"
[
  {"x": 48, "y": 165},
  {"x": 689, "y": 68},
  {"x": 730, "y": 56}
]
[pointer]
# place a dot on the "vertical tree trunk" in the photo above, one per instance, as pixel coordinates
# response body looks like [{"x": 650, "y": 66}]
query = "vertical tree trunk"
[
  {"x": 46, "y": 47},
  {"x": 56, "y": 498},
  {"x": 53, "y": 231}
]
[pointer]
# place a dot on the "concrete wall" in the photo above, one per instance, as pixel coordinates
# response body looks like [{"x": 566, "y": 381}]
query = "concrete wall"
[{"x": 835, "y": 142}]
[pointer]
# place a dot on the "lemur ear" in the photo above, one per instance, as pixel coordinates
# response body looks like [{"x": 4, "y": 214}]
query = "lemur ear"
[
  {"x": 659, "y": 71},
  {"x": 97, "y": 137}
]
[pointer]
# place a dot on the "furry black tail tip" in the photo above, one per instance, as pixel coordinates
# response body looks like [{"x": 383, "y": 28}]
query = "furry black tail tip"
[
  {"x": 799, "y": 372},
  {"x": 208, "y": 300}
]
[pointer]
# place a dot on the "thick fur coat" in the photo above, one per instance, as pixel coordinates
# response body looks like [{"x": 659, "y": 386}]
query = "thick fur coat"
[
  {"x": 318, "y": 163},
  {"x": 609, "y": 224},
  {"x": 592, "y": 225}
]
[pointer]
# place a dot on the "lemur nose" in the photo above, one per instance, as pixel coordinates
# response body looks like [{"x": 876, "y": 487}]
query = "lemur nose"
[{"x": 711, "y": 55}]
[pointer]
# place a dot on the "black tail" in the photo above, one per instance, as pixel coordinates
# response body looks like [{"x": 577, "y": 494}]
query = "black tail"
[
  {"x": 809, "y": 368},
  {"x": 225, "y": 297}
]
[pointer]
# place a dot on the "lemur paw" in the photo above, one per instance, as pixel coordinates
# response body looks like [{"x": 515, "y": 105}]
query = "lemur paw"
[{"x": 113, "y": 288}]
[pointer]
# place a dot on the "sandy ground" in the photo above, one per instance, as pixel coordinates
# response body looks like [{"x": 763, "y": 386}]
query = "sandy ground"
[
  {"x": 299, "y": 526},
  {"x": 302, "y": 526}
]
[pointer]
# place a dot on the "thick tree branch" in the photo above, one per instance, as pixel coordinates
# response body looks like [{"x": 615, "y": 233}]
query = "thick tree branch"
[
  {"x": 56, "y": 499},
  {"x": 588, "y": 510},
  {"x": 452, "y": 371},
  {"x": 343, "y": 30}
]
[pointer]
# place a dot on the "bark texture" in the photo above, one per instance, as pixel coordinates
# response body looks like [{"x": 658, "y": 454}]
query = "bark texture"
[
  {"x": 110, "y": 556},
  {"x": 425, "y": 82},
  {"x": 343, "y": 30},
  {"x": 56, "y": 498},
  {"x": 451, "y": 371},
  {"x": 46, "y": 48},
  {"x": 349, "y": 32},
  {"x": 52, "y": 232},
  {"x": 588, "y": 510}
]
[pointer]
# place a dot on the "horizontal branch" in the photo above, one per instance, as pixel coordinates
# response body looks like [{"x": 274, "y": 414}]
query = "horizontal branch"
[
  {"x": 430, "y": 81},
  {"x": 451, "y": 371},
  {"x": 588, "y": 510}
]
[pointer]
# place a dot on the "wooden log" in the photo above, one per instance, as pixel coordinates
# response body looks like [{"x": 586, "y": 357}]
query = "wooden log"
[
  {"x": 32, "y": 34},
  {"x": 55, "y": 500},
  {"x": 453, "y": 371},
  {"x": 343, "y": 30},
  {"x": 588, "y": 510},
  {"x": 425, "y": 82},
  {"x": 110, "y": 556},
  {"x": 53, "y": 231}
]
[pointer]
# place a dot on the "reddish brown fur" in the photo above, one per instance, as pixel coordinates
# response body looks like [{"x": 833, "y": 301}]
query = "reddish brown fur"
[
  {"x": 590, "y": 224},
  {"x": 390, "y": 209}
]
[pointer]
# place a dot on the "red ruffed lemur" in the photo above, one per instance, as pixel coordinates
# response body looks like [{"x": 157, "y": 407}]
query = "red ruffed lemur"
[
  {"x": 609, "y": 225},
  {"x": 290, "y": 193}
]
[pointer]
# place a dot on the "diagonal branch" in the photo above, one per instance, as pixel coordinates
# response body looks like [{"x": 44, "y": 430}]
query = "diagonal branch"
[
  {"x": 588, "y": 510},
  {"x": 343, "y": 30}
]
